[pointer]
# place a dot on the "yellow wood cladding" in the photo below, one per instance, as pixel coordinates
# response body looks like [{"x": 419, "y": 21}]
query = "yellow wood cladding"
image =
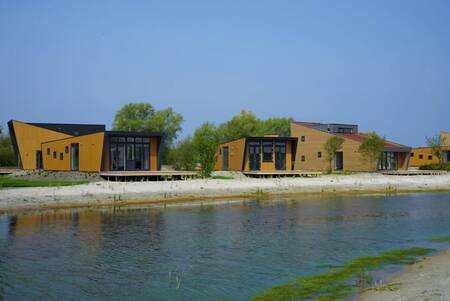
[
  {"x": 153, "y": 153},
  {"x": 90, "y": 153},
  {"x": 29, "y": 139},
  {"x": 237, "y": 153},
  {"x": 424, "y": 155},
  {"x": 313, "y": 144}
]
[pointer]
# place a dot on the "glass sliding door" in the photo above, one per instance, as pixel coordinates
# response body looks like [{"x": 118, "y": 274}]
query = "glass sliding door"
[
  {"x": 280, "y": 155},
  {"x": 388, "y": 161},
  {"x": 254, "y": 150},
  {"x": 129, "y": 153}
]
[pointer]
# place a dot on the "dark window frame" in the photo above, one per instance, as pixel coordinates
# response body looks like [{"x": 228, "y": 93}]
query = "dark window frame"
[
  {"x": 48, "y": 151},
  {"x": 303, "y": 158},
  {"x": 430, "y": 157},
  {"x": 412, "y": 154},
  {"x": 319, "y": 154},
  {"x": 54, "y": 154},
  {"x": 66, "y": 149},
  {"x": 302, "y": 138},
  {"x": 420, "y": 156},
  {"x": 61, "y": 156}
]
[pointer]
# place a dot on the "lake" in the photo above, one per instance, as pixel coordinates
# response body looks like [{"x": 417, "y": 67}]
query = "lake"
[{"x": 224, "y": 250}]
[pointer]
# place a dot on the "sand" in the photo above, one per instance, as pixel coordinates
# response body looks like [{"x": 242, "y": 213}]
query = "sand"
[
  {"x": 107, "y": 193},
  {"x": 425, "y": 280}
]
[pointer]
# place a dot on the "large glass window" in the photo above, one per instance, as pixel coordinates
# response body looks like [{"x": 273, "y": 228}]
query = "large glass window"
[
  {"x": 388, "y": 161},
  {"x": 129, "y": 153},
  {"x": 267, "y": 151}
]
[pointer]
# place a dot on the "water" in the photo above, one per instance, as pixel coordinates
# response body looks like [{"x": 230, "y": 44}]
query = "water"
[{"x": 229, "y": 251}]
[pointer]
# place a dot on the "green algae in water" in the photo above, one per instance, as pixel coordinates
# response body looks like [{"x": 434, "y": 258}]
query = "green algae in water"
[
  {"x": 341, "y": 282},
  {"x": 440, "y": 239}
]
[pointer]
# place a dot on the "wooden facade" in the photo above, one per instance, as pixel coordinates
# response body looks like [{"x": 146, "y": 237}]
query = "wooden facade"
[
  {"x": 311, "y": 153},
  {"x": 257, "y": 154},
  {"x": 424, "y": 155},
  {"x": 87, "y": 148}
]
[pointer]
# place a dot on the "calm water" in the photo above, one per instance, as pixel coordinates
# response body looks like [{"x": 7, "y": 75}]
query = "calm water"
[{"x": 230, "y": 251}]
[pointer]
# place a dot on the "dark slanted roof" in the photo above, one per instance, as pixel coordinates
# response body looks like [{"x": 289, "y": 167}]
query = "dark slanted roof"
[
  {"x": 71, "y": 128},
  {"x": 362, "y": 138}
]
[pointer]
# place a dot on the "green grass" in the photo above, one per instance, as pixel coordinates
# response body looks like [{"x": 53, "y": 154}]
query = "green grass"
[
  {"x": 440, "y": 239},
  {"x": 11, "y": 182},
  {"x": 436, "y": 166},
  {"x": 222, "y": 178},
  {"x": 340, "y": 282}
]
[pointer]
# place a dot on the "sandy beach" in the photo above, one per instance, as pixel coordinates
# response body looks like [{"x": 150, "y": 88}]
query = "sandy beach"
[
  {"x": 121, "y": 193},
  {"x": 426, "y": 280}
]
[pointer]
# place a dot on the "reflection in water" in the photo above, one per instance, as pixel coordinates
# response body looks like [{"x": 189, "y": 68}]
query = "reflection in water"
[{"x": 229, "y": 251}]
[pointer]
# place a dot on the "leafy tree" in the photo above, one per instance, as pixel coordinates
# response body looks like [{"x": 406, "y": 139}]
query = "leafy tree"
[
  {"x": 332, "y": 145},
  {"x": 437, "y": 143},
  {"x": 246, "y": 123},
  {"x": 277, "y": 126},
  {"x": 183, "y": 156},
  {"x": 143, "y": 117},
  {"x": 7, "y": 157},
  {"x": 372, "y": 148},
  {"x": 1, "y": 129},
  {"x": 205, "y": 145}
]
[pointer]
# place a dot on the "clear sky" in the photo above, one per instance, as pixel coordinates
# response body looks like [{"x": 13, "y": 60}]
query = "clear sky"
[{"x": 384, "y": 65}]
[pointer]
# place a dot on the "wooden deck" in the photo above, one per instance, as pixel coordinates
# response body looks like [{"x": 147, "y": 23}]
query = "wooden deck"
[
  {"x": 413, "y": 172},
  {"x": 281, "y": 173},
  {"x": 142, "y": 176},
  {"x": 7, "y": 171}
]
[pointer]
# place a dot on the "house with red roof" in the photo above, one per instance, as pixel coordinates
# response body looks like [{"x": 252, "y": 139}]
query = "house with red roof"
[{"x": 310, "y": 152}]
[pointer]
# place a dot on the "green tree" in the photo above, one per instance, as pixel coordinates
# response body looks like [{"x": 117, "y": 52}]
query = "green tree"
[
  {"x": 183, "y": 155},
  {"x": 332, "y": 145},
  {"x": 205, "y": 143},
  {"x": 372, "y": 148},
  {"x": 7, "y": 157},
  {"x": 143, "y": 117},
  {"x": 277, "y": 126},
  {"x": 242, "y": 125},
  {"x": 437, "y": 143}
]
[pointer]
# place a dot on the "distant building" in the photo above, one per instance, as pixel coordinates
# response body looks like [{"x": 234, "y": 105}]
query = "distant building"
[
  {"x": 83, "y": 147},
  {"x": 312, "y": 137},
  {"x": 424, "y": 155},
  {"x": 268, "y": 153}
]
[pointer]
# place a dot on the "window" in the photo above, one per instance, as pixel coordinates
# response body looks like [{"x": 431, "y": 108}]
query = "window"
[
  {"x": 303, "y": 158},
  {"x": 319, "y": 155},
  {"x": 54, "y": 154},
  {"x": 430, "y": 157},
  {"x": 302, "y": 138},
  {"x": 66, "y": 149},
  {"x": 48, "y": 151},
  {"x": 345, "y": 130},
  {"x": 267, "y": 151},
  {"x": 420, "y": 156},
  {"x": 412, "y": 154},
  {"x": 61, "y": 156}
]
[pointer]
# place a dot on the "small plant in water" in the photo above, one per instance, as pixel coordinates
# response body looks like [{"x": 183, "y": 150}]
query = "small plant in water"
[{"x": 341, "y": 282}]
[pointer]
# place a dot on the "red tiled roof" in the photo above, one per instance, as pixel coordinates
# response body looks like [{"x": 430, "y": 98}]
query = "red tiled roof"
[
  {"x": 361, "y": 138},
  {"x": 307, "y": 123}
]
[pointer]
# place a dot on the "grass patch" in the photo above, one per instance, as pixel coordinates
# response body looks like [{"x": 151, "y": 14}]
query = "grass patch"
[
  {"x": 11, "y": 182},
  {"x": 436, "y": 166},
  {"x": 222, "y": 178},
  {"x": 440, "y": 239},
  {"x": 341, "y": 282}
]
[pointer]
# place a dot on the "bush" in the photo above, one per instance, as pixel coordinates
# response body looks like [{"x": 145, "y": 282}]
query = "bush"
[
  {"x": 7, "y": 157},
  {"x": 436, "y": 166},
  {"x": 183, "y": 155}
]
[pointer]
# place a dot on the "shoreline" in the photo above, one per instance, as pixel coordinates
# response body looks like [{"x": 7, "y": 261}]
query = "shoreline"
[
  {"x": 428, "y": 279},
  {"x": 105, "y": 194}
]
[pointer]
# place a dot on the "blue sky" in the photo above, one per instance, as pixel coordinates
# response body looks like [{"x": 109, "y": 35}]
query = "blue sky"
[{"x": 384, "y": 65}]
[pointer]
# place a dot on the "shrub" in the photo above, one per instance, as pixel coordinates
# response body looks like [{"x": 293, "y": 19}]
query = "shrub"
[{"x": 436, "y": 166}]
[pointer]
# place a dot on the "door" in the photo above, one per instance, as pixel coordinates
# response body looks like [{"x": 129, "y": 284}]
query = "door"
[
  {"x": 254, "y": 149},
  {"x": 74, "y": 156},
  {"x": 39, "y": 163},
  {"x": 339, "y": 161},
  {"x": 448, "y": 157},
  {"x": 280, "y": 156},
  {"x": 225, "y": 158}
]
